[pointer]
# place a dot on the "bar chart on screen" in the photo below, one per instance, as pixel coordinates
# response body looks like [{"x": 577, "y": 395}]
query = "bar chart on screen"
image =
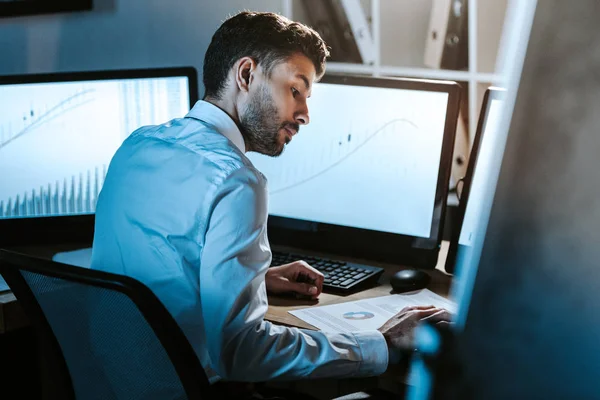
[
  {"x": 57, "y": 139},
  {"x": 68, "y": 196}
]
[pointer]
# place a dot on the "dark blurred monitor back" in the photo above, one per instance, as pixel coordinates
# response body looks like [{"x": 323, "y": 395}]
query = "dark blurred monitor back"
[{"x": 531, "y": 327}]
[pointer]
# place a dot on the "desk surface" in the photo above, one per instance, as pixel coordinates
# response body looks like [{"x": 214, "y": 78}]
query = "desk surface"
[
  {"x": 396, "y": 374},
  {"x": 12, "y": 317},
  {"x": 279, "y": 307}
]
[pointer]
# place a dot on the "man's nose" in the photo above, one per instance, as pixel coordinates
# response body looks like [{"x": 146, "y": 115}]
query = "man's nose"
[{"x": 302, "y": 117}]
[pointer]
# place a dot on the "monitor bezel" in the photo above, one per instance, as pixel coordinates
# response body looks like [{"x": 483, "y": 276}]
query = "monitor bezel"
[
  {"x": 20, "y": 8},
  {"x": 492, "y": 93},
  {"x": 369, "y": 244},
  {"x": 75, "y": 228}
]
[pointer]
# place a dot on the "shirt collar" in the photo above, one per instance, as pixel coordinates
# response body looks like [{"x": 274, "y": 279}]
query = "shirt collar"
[{"x": 220, "y": 120}]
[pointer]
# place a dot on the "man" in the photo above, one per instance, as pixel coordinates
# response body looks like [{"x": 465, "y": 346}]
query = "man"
[{"x": 184, "y": 211}]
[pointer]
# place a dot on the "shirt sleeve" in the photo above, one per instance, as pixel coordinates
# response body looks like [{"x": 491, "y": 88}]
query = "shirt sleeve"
[{"x": 241, "y": 344}]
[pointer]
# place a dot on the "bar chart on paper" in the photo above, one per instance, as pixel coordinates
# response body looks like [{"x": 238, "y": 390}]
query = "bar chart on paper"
[{"x": 57, "y": 139}]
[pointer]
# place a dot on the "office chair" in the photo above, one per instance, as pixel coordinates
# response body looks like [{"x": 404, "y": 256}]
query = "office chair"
[{"x": 109, "y": 333}]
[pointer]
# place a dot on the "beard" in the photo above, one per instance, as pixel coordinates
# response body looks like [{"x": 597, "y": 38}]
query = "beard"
[{"x": 259, "y": 124}]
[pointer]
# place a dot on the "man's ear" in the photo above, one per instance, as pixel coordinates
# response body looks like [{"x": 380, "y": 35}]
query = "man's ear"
[{"x": 244, "y": 73}]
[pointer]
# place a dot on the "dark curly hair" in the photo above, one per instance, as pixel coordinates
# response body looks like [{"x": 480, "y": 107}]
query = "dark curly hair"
[{"x": 267, "y": 38}]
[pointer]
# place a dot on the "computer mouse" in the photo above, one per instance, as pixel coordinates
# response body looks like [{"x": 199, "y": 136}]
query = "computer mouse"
[{"x": 409, "y": 279}]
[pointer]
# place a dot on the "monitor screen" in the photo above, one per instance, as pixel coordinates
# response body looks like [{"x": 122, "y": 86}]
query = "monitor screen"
[
  {"x": 481, "y": 194},
  {"x": 370, "y": 159},
  {"x": 58, "y": 137},
  {"x": 486, "y": 171}
]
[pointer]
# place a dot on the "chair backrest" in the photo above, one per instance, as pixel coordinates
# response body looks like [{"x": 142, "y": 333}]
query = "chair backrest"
[{"x": 117, "y": 339}]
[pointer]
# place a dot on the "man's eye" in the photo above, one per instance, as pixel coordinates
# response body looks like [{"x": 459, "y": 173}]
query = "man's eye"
[{"x": 295, "y": 92}]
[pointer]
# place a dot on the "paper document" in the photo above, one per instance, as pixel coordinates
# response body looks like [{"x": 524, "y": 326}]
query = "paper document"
[{"x": 368, "y": 314}]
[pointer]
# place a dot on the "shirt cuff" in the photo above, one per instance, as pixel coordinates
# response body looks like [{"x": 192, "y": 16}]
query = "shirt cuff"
[{"x": 374, "y": 352}]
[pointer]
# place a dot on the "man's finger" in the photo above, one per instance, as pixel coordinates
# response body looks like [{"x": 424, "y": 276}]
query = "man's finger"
[
  {"x": 411, "y": 308},
  {"x": 304, "y": 267},
  {"x": 440, "y": 316},
  {"x": 307, "y": 274},
  {"x": 419, "y": 315},
  {"x": 319, "y": 285},
  {"x": 306, "y": 289}
]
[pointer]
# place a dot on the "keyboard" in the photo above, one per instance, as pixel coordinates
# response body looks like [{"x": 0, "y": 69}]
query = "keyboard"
[{"x": 340, "y": 277}]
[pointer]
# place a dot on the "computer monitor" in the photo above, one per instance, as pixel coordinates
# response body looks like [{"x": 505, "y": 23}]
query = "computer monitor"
[
  {"x": 58, "y": 133},
  {"x": 482, "y": 159},
  {"x": 368, "y": 177},
  {"x": 478, "y": 194}
]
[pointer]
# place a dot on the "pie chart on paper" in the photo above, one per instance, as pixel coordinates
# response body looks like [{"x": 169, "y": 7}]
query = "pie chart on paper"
[{"x": 358, "y": 315}]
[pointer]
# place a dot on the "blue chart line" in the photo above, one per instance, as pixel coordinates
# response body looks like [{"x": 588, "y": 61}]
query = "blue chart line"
[
  {"x": 51, "y": 114},
  {"x": 72, "y": 198},
  {"x": 345, "y": 157}
]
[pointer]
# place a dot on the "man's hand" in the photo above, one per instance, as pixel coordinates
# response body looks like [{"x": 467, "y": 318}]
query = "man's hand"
[
  {"x": 297, "y": 277},
  {"x": 399, "y": 330}
]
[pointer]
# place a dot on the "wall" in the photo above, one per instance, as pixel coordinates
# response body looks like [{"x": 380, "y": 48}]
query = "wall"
[
  {"x": 118, "y": 34},
  {"x": 404, "y": 25},
  {"x": 490, "y": 21}
]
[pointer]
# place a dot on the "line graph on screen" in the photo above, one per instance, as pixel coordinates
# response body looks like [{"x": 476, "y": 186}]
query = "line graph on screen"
[{"x": 345, "y": 148}]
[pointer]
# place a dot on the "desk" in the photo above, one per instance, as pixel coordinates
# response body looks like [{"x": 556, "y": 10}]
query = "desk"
[
  {"x": 279, "y": 306},
  {"x": 12, "y": 317},
  {"x": 395, "y": 378}
]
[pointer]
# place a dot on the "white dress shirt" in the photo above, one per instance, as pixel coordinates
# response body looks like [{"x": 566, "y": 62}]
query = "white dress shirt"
[{"x": 184, "y": 211}]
